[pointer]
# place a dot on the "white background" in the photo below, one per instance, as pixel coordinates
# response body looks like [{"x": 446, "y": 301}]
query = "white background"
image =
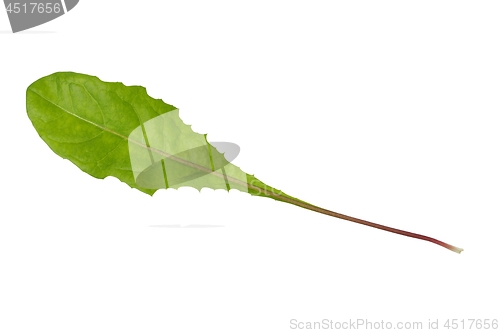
[{"x": 384, "y": 110}]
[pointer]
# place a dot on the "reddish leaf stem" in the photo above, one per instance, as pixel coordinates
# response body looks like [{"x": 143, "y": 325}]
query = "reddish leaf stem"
[
  {"x": 394, "y": 230},
  {"x": 370, "y": 224}
]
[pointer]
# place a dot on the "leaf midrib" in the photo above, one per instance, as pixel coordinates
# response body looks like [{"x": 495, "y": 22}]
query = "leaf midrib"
[
  {"x": 151, "y": 149},
  {"x": 180, "y": 160}
]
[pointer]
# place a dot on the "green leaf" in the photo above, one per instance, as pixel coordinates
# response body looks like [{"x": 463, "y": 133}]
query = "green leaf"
[{"x": 109, "y": 129}]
